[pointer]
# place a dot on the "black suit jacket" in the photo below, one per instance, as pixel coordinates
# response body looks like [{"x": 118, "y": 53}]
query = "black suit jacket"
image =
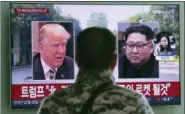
[
  {"x": 148, "y": 70},
  {"x": 65, "y": 71}
]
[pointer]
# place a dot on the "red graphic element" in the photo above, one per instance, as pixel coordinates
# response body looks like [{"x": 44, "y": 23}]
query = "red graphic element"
[
  {"x": 157, "y": 89},
  {"x": 39, "y": 91},
  {"x": 32, "y": 10}
]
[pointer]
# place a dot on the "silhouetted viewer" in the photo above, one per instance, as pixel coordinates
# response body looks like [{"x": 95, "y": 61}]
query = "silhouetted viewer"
[{"x": 94, "y": 91}]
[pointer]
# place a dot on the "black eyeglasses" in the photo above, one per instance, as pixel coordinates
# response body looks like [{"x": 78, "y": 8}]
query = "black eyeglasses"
[{"x": 139, "y": 46}]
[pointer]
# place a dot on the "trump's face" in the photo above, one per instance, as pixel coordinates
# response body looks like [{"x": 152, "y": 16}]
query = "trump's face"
[
  {"x": 53, "y": 49},
  {"x": 138, "y": 49}
]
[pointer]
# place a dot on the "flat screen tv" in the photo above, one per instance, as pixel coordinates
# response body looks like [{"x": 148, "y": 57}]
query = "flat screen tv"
[{"x": 161, "y": 86}]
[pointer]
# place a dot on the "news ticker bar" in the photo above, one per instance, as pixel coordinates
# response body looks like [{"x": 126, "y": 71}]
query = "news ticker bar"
[
  {"x": 152, "y": 100},
  {"x": 150, "y": 89}
]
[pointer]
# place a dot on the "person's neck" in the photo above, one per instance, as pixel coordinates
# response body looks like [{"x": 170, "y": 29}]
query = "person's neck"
[{"x": 164, "y": 49}]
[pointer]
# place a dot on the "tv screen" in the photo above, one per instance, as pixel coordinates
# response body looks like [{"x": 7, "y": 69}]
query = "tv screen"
[{"x": 148, "y": 64}]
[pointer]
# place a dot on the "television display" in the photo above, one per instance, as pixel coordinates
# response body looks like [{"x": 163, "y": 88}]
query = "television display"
[{"x": 149, "y": 65}]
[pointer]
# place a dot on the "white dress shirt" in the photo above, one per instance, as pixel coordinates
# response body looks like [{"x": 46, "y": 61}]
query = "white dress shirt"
[{"x": 46, "y": 69}]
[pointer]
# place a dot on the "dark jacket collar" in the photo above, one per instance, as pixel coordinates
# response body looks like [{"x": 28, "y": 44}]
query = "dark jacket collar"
[
  {"x": 146, "y": 70},
  {"x": 39, "y": 72},
  {"x": 149, "y": 64}
]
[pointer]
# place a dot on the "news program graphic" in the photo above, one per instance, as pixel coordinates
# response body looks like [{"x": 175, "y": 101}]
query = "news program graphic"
[
  {"x": 49, "y": 45},
  {"x": 27, "y": 90},
  {"x": 165, "y": 46},
  {"x": 29, "y": 84},
  {"x": 155, "y": 78}
]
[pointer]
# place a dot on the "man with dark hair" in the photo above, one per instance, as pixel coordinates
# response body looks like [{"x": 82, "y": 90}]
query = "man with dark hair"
[
  {"x": 138, "y": 61},
  {"x": 94, "y": 91}
]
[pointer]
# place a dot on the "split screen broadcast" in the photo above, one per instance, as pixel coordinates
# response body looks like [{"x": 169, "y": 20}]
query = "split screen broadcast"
[{"x": 43, "y": 48}]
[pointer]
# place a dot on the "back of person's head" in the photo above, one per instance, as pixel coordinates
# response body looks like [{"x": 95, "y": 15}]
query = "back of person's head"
[
  {"x": 142, "y": 29},
  {"x": 95, "y": 48}
]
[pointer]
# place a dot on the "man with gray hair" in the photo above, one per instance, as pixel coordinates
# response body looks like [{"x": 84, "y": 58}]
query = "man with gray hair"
[{"x": 51, "y": 62}]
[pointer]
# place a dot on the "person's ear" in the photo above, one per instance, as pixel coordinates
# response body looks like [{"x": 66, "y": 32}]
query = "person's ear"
[
  {"x": 114, "y": 61},
  {"x": 152, "y": 47},
  {"x": 40, "y": 46}
]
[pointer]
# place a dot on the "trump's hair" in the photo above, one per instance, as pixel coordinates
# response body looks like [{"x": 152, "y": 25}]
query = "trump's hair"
[{"x": 52, "y": 28}]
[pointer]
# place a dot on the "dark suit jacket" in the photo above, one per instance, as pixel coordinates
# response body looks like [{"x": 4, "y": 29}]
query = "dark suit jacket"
[
  {"x": 65, "y": 71},
  {"x": 148, "y": 70}
]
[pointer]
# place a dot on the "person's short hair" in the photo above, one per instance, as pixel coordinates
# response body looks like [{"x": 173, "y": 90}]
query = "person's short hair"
[
  {"x": 142, "y": 29},
  {"x": 95, "y": 48},
  {"x": 54, "y": 27}
]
